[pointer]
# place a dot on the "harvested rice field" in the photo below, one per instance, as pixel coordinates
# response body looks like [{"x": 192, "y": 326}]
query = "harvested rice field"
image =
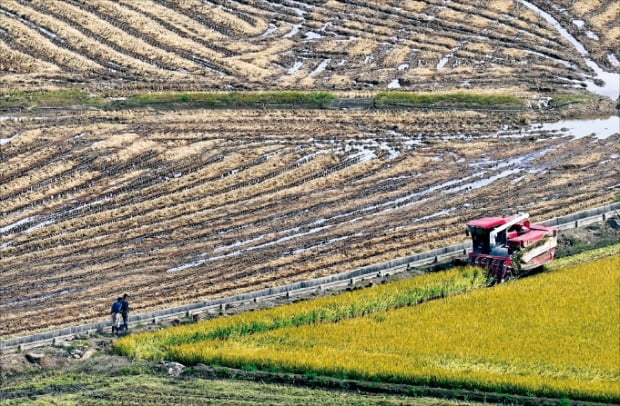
[
  {"x": 285, "y": 44},
  {"x": 184, "y": 205}
]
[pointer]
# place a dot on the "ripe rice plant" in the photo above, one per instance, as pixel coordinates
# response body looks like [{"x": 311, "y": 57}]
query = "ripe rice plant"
[
  {"x": 320, "y": 311},
  {"x": 550, "y": 335}
]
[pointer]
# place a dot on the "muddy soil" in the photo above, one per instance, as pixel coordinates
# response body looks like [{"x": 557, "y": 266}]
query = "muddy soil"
[{"x": 574, "y": 241}]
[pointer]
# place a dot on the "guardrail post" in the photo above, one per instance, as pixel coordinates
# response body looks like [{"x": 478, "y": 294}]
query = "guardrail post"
[{"x": 223, "y": 309}]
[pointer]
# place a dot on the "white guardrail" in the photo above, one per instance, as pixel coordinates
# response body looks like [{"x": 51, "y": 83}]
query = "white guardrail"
[{"x": 436, "y": 256}]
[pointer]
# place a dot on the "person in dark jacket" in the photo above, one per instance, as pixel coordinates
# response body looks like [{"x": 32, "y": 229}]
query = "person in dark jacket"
[
  {"x": 116, "y": 309},
  {"x": 125, "y": 311}
]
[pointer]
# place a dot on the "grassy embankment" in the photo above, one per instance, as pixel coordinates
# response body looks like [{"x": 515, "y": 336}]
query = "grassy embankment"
[
  {"x": 274, "y": 99},
  {"x": 517, "y": 338},
  {"x": 234, "y": 99},
  {"x": 563, "y": 99},
  {"x": 57, "y": 98},
  {"x": 449, "y": 100},
  {"x": 77, "y": 97}
]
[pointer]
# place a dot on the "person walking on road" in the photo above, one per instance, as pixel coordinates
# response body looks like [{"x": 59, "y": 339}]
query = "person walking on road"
[
  {"x": 116, "y": 310},
  {"x": 125, "y": 311}
]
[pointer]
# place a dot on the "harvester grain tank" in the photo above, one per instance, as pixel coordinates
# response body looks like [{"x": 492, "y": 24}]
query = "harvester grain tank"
[{"x": 509, "y": 247}]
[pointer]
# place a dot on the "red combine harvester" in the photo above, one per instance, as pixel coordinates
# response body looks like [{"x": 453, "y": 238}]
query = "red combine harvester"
[{"x": 510, "y": 247}]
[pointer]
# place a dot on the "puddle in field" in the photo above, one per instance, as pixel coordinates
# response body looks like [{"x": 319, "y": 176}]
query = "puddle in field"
[
  {"x": 442, "y": 62},
  {"x": 601, "y": 128},
  {"x": 394, "y": 84},
  {"x": 296, "y": 66},
  {"x": 32, "y": 25},
  {"x": 17, "y": 224},
  {"x": 312, "y": 35},
  {"x": 7, "y": 140},
  {"x": 272, "y": 28},
  {"x": 320, "y": 68},
  {"x": 611, "y": 87},
  {"x": 293, "y": 31}
]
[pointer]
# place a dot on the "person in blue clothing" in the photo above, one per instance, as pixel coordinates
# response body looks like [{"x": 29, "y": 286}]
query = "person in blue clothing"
[
  {"x": 125, "y": 311},
  {"x": 116, "y": 310}
]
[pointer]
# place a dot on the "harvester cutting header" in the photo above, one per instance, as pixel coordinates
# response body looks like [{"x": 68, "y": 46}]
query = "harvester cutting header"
[{"x": 511, "y": 246}]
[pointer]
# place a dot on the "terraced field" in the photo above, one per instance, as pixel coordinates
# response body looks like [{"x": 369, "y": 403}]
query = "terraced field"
[
  {"x": 340, "y": 44},
  {"x": 186, "y": 150},
  {"x": 178, "y": 206}
]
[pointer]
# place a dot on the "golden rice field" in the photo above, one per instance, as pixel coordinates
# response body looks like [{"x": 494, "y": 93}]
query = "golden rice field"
[
  {"x": 335, "y": 44},
  {"x": 555, "y": 334},
  {"x": 323, "y": 310}
]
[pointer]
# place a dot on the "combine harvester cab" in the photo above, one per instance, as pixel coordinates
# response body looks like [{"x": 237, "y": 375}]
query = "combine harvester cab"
[{"x": 509, "y": 247}]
